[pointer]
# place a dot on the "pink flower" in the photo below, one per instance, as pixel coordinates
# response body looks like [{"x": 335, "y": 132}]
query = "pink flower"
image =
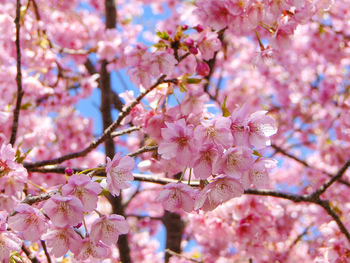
[
  {"x": 9, "y": 242},
  {"x": 162, "y": 63},
  {"x": 193, "y": 102},
  {"x": 64, "y": 210},
  {"x": 208, "y": 44},
  {"x": 91, "y": 249},
  {"x": 108, "y": 228},
  {"x": 140, "y": 76},
  {"x": 29, "y": 221},
  {"x": 108, "y": 48},
  {"x": 12, "y": 174},
  {"x": 234, "y": 161},
  {"x": 84, "y": 189},
  {"x": 238, "y": 125},
  {"x": 7, "y": 203},
  {"x": 261, "y": 127},
  {"x": 258, "y": 173},
  {"x": 203, "y": 164},
  {"x": 215, "y": 131},
  {"x": 220, "y": 190},
  {"x": 178, "y": 142},
  {"x": 176, "y": 196},
  {"x": 60, "y": 240},
  {"x": 217, "y": 14},
  {"x": 119, "y": 173},
  {"x": 7, "y": 158}
]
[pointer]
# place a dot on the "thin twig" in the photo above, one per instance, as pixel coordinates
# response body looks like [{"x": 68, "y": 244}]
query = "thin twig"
[
  {"x": 143, "y": 150},
  {"x": 125, "y": 131},
  {"x": 43, "y": 244},
  {"x": 144, "y": 217},
  {"x": 298, "y": 238},
  {"x": 336, "y": 177},
  {"x": 20, "y": 91},
  {"x": 32, "y": 199},
  {"x": 182, "y": 256},
  {"x": 105, "y": 134},
  {"x": 291, "y": 156},
  {"x": 304, "y": 163},
  {"x": 137, "y": 191},
  {"x": 30, "y": 256}
]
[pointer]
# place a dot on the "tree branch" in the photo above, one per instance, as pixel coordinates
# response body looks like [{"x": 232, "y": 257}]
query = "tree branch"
[
  {"x": 32, "y": 199},
  {"x": 125, "y": 131},
  {"x": 30, "y": 256},
  {"x": 105, "y": 134},
  {"x": 174, "y": 230},
  {"x": 336, "y": 177},
  {"x": 143, "y": 150},
  {"x": 304, "y": 163},
  {"x": 182, "y": 256},
  {"x": 311, "y": 198},
  {"x": 20, "y": 91},
  {"x": 43, "y": 244}
]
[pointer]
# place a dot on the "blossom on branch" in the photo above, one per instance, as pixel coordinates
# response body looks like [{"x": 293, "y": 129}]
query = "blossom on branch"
[{"x": 119, "y": 173}]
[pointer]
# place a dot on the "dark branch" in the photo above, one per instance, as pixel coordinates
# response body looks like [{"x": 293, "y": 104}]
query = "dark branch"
[
  {"x": 105, "y": 134},
  {"x": 143, "y": 150},
  {"x": 174, "y": 230},
  {"x": 291, "y": 156},
  {"x": 292, "y": 197},
  {"x": 43, "y": 244},
  {"x": 325, "y": 204},
  {"x": 20, "y": 91},
  {"x": 30, "y": 256},
  {"x": 32, "y": 199},
  {"x": 128, "y": 130},
  {"x": 336, "y": 177},
  {"x": 182, "y": 256},
  {"x": 311, "y": 198}
]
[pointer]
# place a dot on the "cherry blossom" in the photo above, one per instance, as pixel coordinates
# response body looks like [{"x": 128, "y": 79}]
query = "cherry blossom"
[
  {"x": 60, "y": 240},
  {"x": 119, "y": 173},
  {"x": 64, "y": 210},
  {"x": 108, "y": 228},
  {"x": 176, "y": 196},
  {"x": 90, "y": 249},
  {"x": 178, "y": 142},
  {"x": 195, "y": 95},
  {"x": 84, "y": 189},
  {"x": 204, "y": 163},
  {"x": 234, "y": 161},
  {"x": 29, "y": 221},
  {"x": 8, "y": 241},
  {"x": 221, "y": 189}
]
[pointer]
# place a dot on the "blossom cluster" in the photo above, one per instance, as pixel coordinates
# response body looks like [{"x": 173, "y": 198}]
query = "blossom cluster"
[
  {"x": 60, "y": 220},
  {"x": 219, "y": 151}
]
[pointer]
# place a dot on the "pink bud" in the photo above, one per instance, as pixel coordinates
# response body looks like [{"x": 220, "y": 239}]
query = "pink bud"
[
  {"x": 193, "y": 50},
  {"x": 184, "y": 27},
  {"x": 78, "y": 225},
  {"x": 199, "y": 28},
  {"x": 189, "y": 42},
  {"x": 69, "y": 171},
  {"x": 202, "y": 69}
]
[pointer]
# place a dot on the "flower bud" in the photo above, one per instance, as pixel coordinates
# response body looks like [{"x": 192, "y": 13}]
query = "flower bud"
[
  {"x": 69, "y": 171},
  {"x": 199, "y": 28},
  {"x": 193, "y": 50},
  {"x": 189, "y": 42},
  {"x": 202, "y": 69}
]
